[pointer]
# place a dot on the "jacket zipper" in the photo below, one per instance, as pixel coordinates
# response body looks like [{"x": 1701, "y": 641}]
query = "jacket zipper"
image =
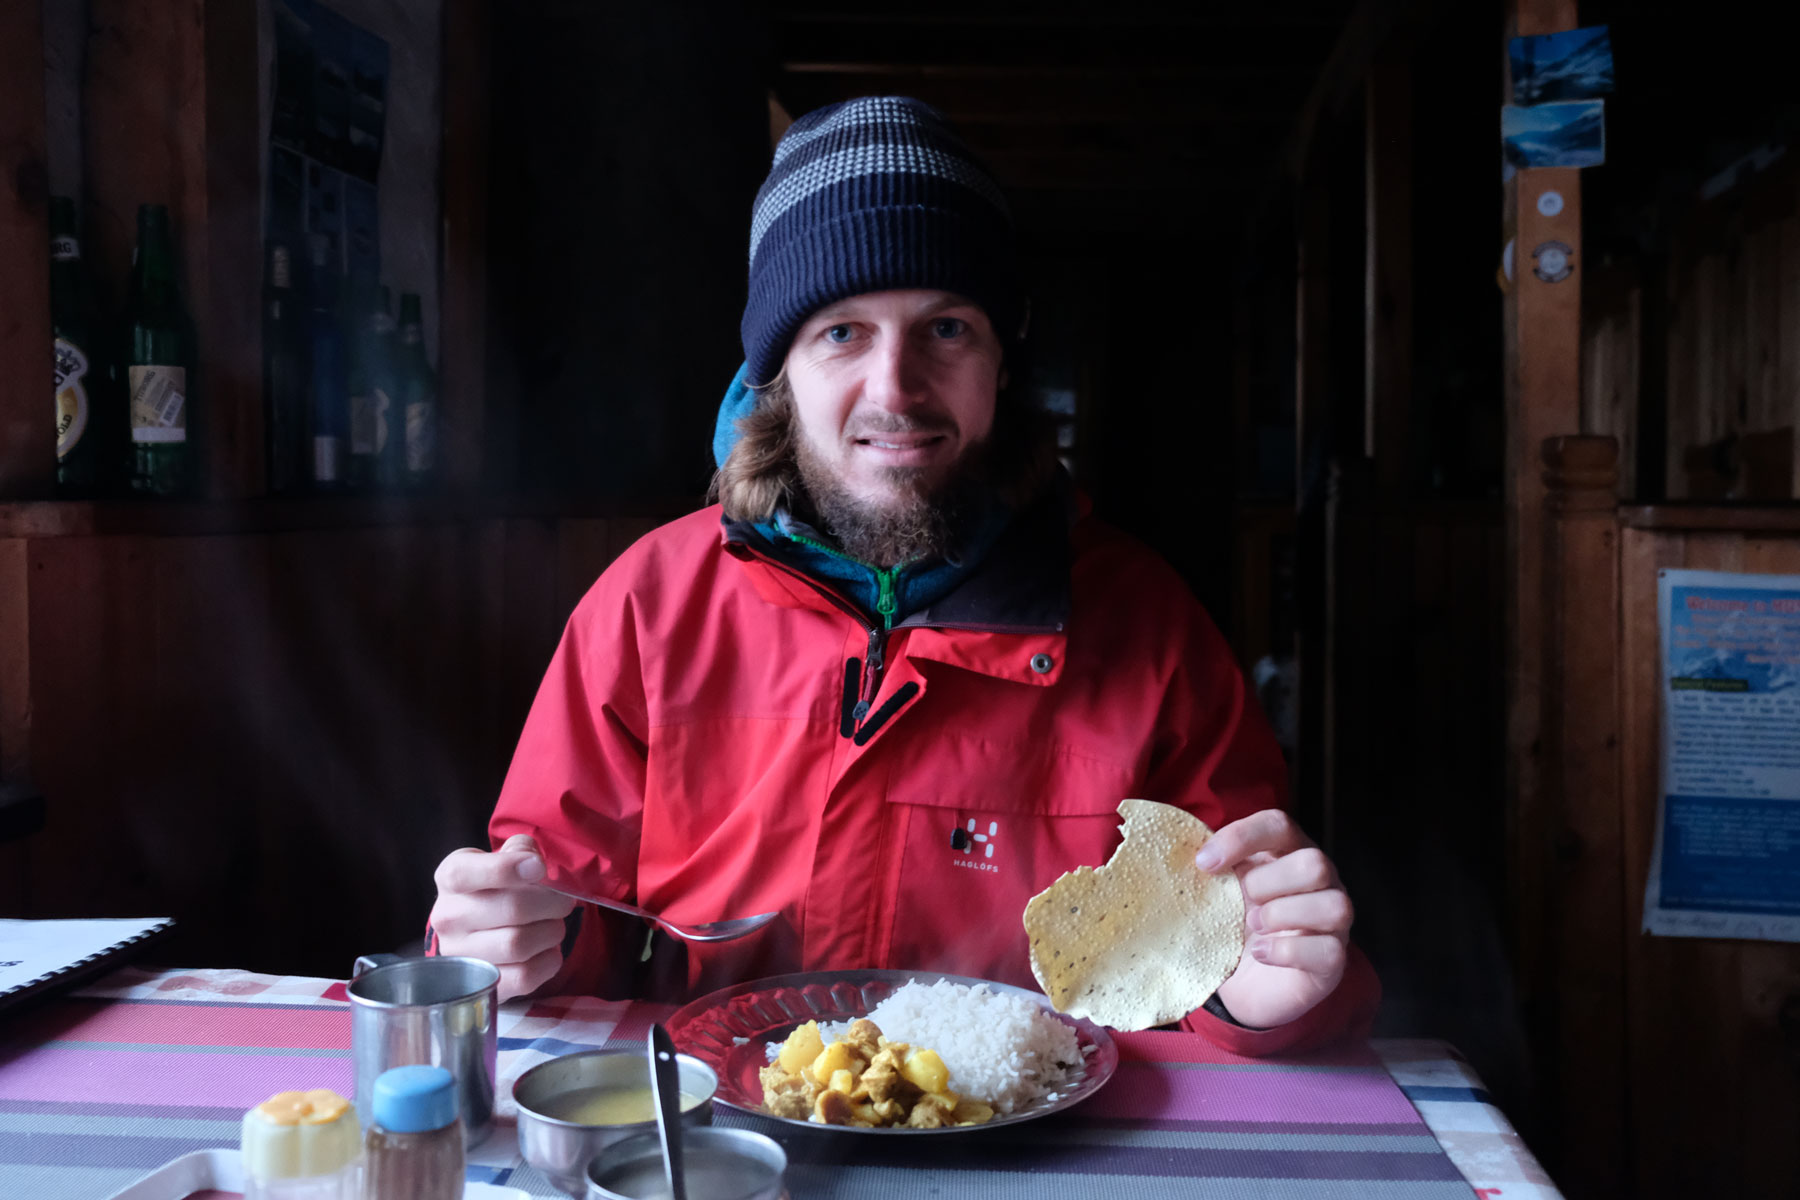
[{"x": 886, "y": 603}]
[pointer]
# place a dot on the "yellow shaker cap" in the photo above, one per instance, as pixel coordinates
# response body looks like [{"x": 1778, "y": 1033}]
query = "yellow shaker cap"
[{"x": 293, "y": 1135}]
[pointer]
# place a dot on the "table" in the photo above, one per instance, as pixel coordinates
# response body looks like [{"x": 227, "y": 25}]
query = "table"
[{"x": 100, "y": 1087}]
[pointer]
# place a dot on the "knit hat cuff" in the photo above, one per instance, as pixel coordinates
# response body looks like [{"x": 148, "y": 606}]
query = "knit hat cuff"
[{"x": 875, "y": 250}]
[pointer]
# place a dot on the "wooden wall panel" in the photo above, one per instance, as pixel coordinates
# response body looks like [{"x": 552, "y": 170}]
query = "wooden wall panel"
[
  {"x": 583, "y": 550},
  {"x": 1787, "y": 317},
  {"x": 1727, "y": 315},
  {"x": 15, "y": 657},
  {"x": 1762, "y": 406},
  {"x": 1611, "y": 349},
  {"x": 93, "y": 747},
  {"x": 533, "y": 621},
  {"x": 1683, "y": 372},
  {"x": 196, "y": 798},
  {"x": 276, "y": 736},
  {"x": 1714, "y": 1093},
  {"x": 1733, "y": 366}
]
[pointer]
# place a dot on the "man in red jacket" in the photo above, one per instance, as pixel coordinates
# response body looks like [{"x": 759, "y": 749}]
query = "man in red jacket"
[{"x": 897, "y": 681}]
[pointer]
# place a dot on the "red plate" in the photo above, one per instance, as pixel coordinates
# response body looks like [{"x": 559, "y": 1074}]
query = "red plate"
[{"x": 729, "y": 1029}]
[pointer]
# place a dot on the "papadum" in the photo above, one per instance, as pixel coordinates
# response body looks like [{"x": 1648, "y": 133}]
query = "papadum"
[{"x": 1145, "y": 939}]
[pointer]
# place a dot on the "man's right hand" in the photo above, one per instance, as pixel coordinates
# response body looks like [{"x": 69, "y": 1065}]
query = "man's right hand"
[{"x": 489, "y": 906}]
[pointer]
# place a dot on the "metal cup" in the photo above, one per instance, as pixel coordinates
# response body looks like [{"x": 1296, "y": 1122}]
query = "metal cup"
[
  {"x": 562, "y": 1149},
  {"x": 721, "y": 1164},
  {"x": 434, "y": 1011}
]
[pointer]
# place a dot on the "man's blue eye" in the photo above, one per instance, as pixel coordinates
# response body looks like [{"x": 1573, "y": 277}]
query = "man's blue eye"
[
  {"x": 949, "y": 327},
  {"x": 838, "y": 333}
]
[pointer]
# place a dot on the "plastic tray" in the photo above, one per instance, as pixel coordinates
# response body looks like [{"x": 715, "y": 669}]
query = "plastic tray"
[{"x": 223, "y": 1171}]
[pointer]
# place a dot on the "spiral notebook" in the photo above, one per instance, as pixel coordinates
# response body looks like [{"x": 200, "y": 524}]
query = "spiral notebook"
[{"x": 37, "y": 957}]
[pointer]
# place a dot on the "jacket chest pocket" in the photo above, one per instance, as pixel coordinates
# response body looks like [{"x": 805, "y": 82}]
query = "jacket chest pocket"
[{"x": 986, "y": 830}]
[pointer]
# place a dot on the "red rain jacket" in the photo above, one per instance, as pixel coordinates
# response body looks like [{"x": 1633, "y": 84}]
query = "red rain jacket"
[{"x": 693, "y": 749}]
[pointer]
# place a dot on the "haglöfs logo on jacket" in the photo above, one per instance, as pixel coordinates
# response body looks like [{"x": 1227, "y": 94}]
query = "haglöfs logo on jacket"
[{"x": 975, "y": 849}]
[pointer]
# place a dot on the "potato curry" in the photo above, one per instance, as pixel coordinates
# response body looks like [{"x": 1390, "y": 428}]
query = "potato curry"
[{"x": 864, "y": 1079}]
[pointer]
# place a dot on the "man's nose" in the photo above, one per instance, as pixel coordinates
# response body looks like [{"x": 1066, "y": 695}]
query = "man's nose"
[{"x": 896, "y": 378}]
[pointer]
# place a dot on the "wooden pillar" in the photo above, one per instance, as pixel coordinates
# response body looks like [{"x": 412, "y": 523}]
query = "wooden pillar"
[
  {"x": 1542, "y": 364},
  {"x": 1584, "y": 930},
  {"x": 170, "y": 117},
  {"x": 27, "y": 415}
]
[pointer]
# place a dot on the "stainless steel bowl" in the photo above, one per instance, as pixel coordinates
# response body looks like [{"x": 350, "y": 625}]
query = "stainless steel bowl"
[
  {"x": 720, "y": 1164},
  {"x": 562, "y": 1149}
]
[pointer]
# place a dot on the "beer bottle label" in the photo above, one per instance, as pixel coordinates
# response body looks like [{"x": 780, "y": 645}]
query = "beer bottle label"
[
  {"x": 158, "y": 404},
  {"x": 71, "y": 396},
  {"x": 325, "y": 460},
  {"x": 362, "y": 423},
  {"x": 65, "y": 249},
  {"x": 418, "y": 437},
  {"x": 383, "y": 406}
]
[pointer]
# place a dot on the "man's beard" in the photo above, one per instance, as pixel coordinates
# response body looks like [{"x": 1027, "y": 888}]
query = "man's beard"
[{"x": 926, "y": 517}]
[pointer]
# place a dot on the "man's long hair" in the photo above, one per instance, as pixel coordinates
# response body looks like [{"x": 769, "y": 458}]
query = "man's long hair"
[{"x": 761, "y": 473}]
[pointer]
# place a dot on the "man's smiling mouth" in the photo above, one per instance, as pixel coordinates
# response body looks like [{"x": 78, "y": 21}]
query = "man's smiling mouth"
[{"x": 906, "y": 444}]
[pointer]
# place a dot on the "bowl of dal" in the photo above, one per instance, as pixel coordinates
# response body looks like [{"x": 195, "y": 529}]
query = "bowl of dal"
[{"x": 574, "y": 1106}]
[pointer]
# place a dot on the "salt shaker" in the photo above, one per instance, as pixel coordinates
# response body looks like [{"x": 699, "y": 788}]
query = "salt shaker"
[
  {"x": 415, "y": 1142},
  {"x": 302, "y": 1146}
]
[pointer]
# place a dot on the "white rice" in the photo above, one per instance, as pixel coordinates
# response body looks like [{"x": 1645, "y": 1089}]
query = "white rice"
[{"x": 999, "y": 1048}]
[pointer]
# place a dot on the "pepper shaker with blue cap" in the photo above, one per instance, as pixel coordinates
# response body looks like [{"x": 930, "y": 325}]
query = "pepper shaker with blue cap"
[{"x": 415, "y": 1142}]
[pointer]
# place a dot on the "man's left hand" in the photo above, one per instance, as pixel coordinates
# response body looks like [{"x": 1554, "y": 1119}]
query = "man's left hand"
[{"x": 1297, "y": 917}]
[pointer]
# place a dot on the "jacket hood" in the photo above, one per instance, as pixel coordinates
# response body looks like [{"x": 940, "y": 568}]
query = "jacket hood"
[{"x": 739, "y": 401}]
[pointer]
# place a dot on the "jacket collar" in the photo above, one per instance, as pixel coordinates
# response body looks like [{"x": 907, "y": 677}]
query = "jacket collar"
[{"x": 1020, "y": 586}]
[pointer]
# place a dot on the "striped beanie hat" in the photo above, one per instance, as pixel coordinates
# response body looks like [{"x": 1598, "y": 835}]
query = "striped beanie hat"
[{"x": 867, "y": 196}]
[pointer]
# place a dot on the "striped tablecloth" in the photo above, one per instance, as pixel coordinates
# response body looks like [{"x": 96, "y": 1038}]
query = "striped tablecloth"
[{"x": 99, "y": 1088}]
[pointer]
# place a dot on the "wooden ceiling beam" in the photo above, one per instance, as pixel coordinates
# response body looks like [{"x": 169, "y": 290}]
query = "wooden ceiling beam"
[
  {"x": 1128, "y": 170},
  {"x": 1240, "y": 49},
  {"x": 1083, "y": 14},
  {"x": 1049, "y": 99}
]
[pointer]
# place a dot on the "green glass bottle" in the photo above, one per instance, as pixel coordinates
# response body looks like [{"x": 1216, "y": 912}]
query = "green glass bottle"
[
  {"x": 162, "y": 457},
  {"x": 86, "y": 445},
  {"x": 418, "y": 396}
]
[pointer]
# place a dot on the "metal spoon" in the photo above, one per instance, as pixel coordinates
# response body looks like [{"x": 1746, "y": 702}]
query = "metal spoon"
[
  {"x": 665, "y": 1089},
  {"x": 710, "y": 931}
]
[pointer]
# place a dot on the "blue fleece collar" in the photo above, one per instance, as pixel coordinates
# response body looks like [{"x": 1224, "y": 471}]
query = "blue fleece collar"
[{"x": 911, "y": 587}]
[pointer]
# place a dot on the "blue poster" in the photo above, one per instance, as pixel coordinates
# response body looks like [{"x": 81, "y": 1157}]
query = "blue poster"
[
  {"x": 1568, "y": 134},
  {"x": 1575, "y": 64},
  {"x": 1726, "y": 862}
]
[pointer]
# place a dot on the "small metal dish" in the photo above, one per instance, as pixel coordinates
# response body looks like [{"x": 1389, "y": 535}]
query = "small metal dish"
[
  {"x": 562, "y": 1149},
  {"x": 720, "y": 1164}
]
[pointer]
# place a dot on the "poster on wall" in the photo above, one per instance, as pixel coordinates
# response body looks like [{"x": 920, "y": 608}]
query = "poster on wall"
[
  {"x": 1575, "y": 64},
  {"x": 1726, "y": 857},
  {"x": 1568, "y": 134}
]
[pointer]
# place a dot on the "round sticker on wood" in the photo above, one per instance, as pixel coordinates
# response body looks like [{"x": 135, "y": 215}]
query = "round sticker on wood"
[{"x": 1553, "y": 262}]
